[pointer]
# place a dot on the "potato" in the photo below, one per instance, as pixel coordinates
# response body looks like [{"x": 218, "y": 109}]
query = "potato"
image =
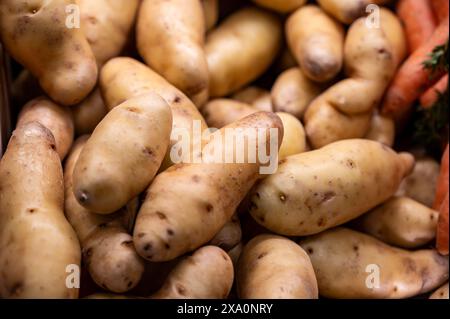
[
  {"x": 421, "y": 184},
  {"x": 349, "y": 10},
  {"x": 107, "y": 248},
  {"x": 89, "y": 113},
  {"x": 317, "y": 42},
  {"x": 221, "y": 112},
  {"x": 292, "y": 92},
  {"x": 344, "y": 111},
  {"x": 281, "y": 6},
  {"x": 114, "y": 167},
  {"x": 207, "y": 274},
  {"x": 25, "y": 88},
  {"x": 56, "y": 118},
  {"x": 188, "y": 204},
  {"x": 235, "y": 253},
  {"x": 441, "y": 293},
  {"x": 251, "y": 34},
  {"x": 382, "y": 129},
  {"x": 349, "y": 264},
  {"x": 274, "y": 267},
  {"x": 285, "y": 61},
  {"x": 37, "y": 243},
  {"x": 401, "y": 222},
  {"x": 294, "y": 139},
  {"x": 175, "y": 46},
  {"x": 211, "y": 13},
  {"x": 107, "y": 25},
  {"x": 123, "y": 78},
  {"x": 317, "y": 190},
  {"x": 258, "y": 98},
  {"x": 35, "y": 33},
  {"x": 229, "y": 236}
]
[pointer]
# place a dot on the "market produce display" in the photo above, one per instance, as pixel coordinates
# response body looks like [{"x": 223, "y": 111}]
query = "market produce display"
[{"x": 212, "y": 149}]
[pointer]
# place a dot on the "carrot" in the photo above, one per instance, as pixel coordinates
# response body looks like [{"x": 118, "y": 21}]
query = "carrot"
[
  {"x": 440, "y": 8},
  {"x": 412, "y": 79},
  {"x": 442, "y": 184},
  {"x": 418, "y": 18},
  {"x": 429, "y": 98},
  {"x": 442, "y": 231}
]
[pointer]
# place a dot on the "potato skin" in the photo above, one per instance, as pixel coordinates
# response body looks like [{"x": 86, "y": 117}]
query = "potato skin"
[
  {"x": 211, "y": 13},
  {"x": 257, "y": 97},
  {"x": 36, "y": 241},
  {"x": 206, "y": 274},
  {"x": 348, "y": 11},
  {"x": 207, "y": 194},
  {"x": 58, "y": 56},
  {"x": 252, "y": 34},
  {"x": 340, "y": 258},
  {"x": 274, "y": 267},
  {"x": 107, "y": 25},
  {"x": 317, "y": 42},
  {"x": 56, "y": 118},
  {"x": 114, "y": 167},
  {"x": 221, "y": 112},
  {"x": 401, "y": 221},
  {"x": 107, "y": 248},
  {"x": 382, "y": 129},
  {"x": 292, "y": 92},
  {"x": 441, "y": 293},
  {"x": 229, "y": 236},
  {"x": 175, "y": 46},
  {"x": 317, "y": 190},
  {"x": 294, "y": 139},
  {"x": 281, "y": 6},
  {"x": 89, "y": 113}
]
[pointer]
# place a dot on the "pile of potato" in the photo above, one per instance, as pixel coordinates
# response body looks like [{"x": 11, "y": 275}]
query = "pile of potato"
[{"x": 87, "y": 180}]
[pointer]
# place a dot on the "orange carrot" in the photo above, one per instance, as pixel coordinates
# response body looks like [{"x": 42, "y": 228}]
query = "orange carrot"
[
  {"x": 440, "y": 8},
  {"x": 429, "y": 98},
  {"x": 412, "y": 79},
  {"x": 442, "y": 231},
  {"x": 418, "y": 18},
  {"x": 442, "y": 184}
]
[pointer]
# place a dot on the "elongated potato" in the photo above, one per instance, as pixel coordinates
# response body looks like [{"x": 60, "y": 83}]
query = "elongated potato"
[
  {"x": 382, "y": 129},
  {"x": 441, "y": 293},
  {"x": 37, "y": 244},
  {"x": 317, "y": 42},
  {"x": 211, "y": 13},
  {"x": 274, "y": 267},
  {"x": 221, "y": 112},
  {"x": 349, "y": 264},
  {"x": 420, "y": 185},
  {"x": 89, "y": 113},
  {"x": 372, "y": 55},
  {"x": 293, "y": 92},
  {"x": 123, "y": 154},
  {"x": 107, "y": 25},
  {"x": 294, "y": 139},
  {"x": 281, "y": 6},
  {"x": 56, "y": 118},
  {"x": 124, "y": 78},
  {"x": 257, "y": 97},
  {"x": 175, "y": 46},
  {"x": 401, "y": 221},
  {"x": 317, "y": 190},
  {"x": 229, "y": 236},
  {"x": 207, "y": 274},
  {"x": 349, "y": 10},
  {"x": 36, "y": 33},
  {"x": 251, "y": 34},
  {"x": 187, "y": 204},
  {"x": 107, "y": 248}
]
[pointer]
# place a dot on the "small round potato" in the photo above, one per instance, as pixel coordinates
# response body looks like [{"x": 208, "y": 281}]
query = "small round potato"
[
  {"x": 89, "y": 113},
  {"x": 258, "y": 98}
]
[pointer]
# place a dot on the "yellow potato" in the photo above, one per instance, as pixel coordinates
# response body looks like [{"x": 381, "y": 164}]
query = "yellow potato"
[
  {"x": 124, "y": 78},
  {"x": 382, "y": 129},
  {"x": 401, "y": 222},
  {"x": 348, "y": 11},
  {"x": 372, "y": 55},
  {"x": 123, "y": 154},
  {"x": 221, "y": 112},
  {"x": 293, "y": 92},
  {"x": 107, "y": 25},
  {"x": 89, "y": 113},
  {"x": 188, "y": 204},
  {"x": 37, "y": 244},
  {"x": 211, "y": 13},
  {"x": 349, "y": 264},
  {"x": 317, "y": 42},
  {"x": 206, "y": 274},
  {"x": 294, "y": 139},
  {"x": 258, "y": 98},
  {"x": 56, "y": 118},
  {"x": 282, "y": 6},
  {"x": 170, "y": 38},
  {"x": 229, "y": 236},
  {"x": 420, "y": 185},
  {"x": 241, "y": 48},
  {"x": 36, "y": 34},
  {"x": 274, "y": 267},
  {"x": 441, "y": 293},
  {"x": 317, "y": 190},
  {"x": 108, "y": 250}
]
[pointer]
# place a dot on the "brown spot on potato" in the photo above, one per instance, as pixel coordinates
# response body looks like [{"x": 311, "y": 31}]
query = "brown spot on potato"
[
  {"x": 196, "y": 178},
  {"x": 180, "y": 289},
  {"x": 170, "y": 232},
  {"x": 321, "y": 222},
  {"x": 310, "y": 250},
  {"x": 167, "y": 246},
  {"x": 102, "y": 225},
  {"x": 132, "y": 109},
  {"x": 16, "y": 289},
  {"x": 130, "y": 283},
  {"x": 140, "y": 235},
  {"x": 282, "y": 197},
  {"x": 177, "y": 99},
  {"x": 148, "y": 151},
  {"x": 31, "y": 210},
  {"x": 82, "y": 197},
  {"x": 350, "y": 163},
  {"x": 209, "y": 207},
  {"x": 127, "y": 243},
  {"x": 88, "y": 252},
  {"x": 148, "y": 246},
  {"x": 161, "y": 216},
  {"x": 327, "y": 197},
  {"x": 262, "y": 255}
]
